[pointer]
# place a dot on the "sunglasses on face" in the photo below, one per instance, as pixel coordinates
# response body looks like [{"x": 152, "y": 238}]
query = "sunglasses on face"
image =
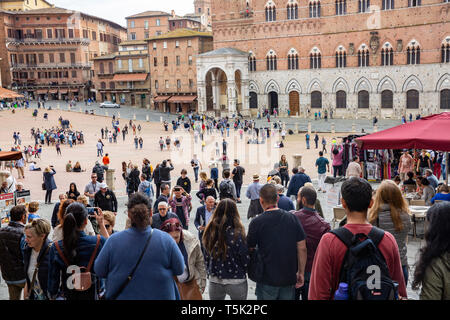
[
  {"x": 107, "y": 226},
  {"x": 162, "y": 209}
]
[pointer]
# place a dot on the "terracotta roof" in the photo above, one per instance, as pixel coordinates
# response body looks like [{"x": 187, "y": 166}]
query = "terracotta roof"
[
  {"x": 106, "y": 56},
  {"x": 182, "y": 33},
  {"x": 149, "y": 14},
  {"x": 161, "y": 98},
  {"x": 130, "y": 77},
  {"x": 182, "y": 99},
  {"x": 8, "y": 94},
  {"x": 225, "y": 51}
]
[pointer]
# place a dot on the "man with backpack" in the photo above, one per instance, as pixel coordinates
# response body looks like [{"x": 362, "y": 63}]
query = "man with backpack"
[
  {"x": 227, "y": 189},
  {"x": 145, "y": 186},
  {"x": 375, "y": 268}
]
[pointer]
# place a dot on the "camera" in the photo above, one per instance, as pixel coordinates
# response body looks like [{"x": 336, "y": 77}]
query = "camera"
[
  {"x": 92, "y": 211},
  {"x": 176, "y": 189}
]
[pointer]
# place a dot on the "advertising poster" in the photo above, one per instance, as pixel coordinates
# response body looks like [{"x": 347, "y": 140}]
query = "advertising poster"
[
  {"x": 6, "y": 203},
  {"x": 23, "y": 197}
]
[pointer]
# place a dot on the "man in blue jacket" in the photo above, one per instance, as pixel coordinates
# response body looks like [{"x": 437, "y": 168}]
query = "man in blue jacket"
[{"x": 297, "y": 181}]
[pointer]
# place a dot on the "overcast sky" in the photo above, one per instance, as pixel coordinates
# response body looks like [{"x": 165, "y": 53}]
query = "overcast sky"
[{"x": 117, "y": 10}]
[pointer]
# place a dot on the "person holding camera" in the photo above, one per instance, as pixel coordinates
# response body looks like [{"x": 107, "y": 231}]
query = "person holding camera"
[
  {"x": 49, "y": 183},
  {"x": 105, "y": 199},
  {"x": 181, "y": 205},
  {"x": 164, "y": 171}
]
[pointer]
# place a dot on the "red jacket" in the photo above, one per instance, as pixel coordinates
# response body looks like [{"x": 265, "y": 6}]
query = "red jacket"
[
  {"x": 330, "y": 255},
  {"x": 315, "y": 227}
]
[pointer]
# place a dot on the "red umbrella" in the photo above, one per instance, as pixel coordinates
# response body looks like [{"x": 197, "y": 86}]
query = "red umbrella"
[{"x": 432, "y": 132}]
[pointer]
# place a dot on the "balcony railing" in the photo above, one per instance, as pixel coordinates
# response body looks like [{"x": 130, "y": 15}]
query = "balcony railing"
[
  {"x": 17, "y": 66},
  {"x": 27, "y": 41}
]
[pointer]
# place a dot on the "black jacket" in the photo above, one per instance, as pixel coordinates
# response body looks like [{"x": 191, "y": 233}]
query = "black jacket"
[
  {"x": 55, "y": 220},
  {"x": 147, "y": 171},
  {"x": 100, "y": 171},
  {"x": 185, "y": 183},
  {"x": 107, "y": 202},
  {"x": 161, "y": 198},
  {"x": 42, "y": 274},
  {"x": 133, "y": 181},
  {"x": 164, "y": 172},
  {"x": 156, "y": 176},
  {"x": 11, "y": 259}
]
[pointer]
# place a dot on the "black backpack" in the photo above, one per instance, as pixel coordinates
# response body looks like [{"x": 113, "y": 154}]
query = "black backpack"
[
  {"x": 363, "y": 253},
  {"x": 225, "y": 190}
]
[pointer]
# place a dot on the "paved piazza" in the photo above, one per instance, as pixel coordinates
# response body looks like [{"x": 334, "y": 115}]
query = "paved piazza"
[{"x": 254, "y": 158}]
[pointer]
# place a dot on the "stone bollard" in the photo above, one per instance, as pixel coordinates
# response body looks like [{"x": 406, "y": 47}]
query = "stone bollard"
[
  {"x": 110, "y": 179},
  {"x": 148, "y": 106},
  {"x": 57, "y": 106},
  {"x": 118, "y": 115},
  {"x": 333, "y": 128},
  {"x": 161, "y": 119},
  {"x": 147, "y": 118},
  {"x": 68, "y": 108},
  {"x": 81, "y": 110},
  {"x": 309, "y": 127},
  {"x": 296, "y": 128},
  {"x": 297, "y": 160},
  {"x": 134, "y": 116},
  {"x": 353, "y": 128},
  {"x": 375, "y": 128},
  {"x": 106, "y": 113}
]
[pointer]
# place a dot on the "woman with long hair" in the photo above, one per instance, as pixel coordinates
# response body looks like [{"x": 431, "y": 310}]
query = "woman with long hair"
[
  {"x": 284, "y": 170},
  {"x": 433, "y": 268},
  {"x": 226, "y": 253},
  {"x": 76, "y": 249},
  {"x": 390, "y": 212},
  {"x": 36, "y": 258},
  {"x": 49, "y": 183},
  {"x": 194, "y": 262},
  {"x": 73, "y": 193}
]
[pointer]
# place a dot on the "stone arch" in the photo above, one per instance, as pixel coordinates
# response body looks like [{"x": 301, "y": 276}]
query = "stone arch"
[
  {"x": 443, "y": 83},
  {"x": 272, "y": 85},
  {"x": 293, "y": 85},
  {"x": 386, "y": 84},
  {"x": 412, "y": 83},
  {"x": 253, "y": 87},
  {"x": 340, "y": 84},
  {"x": 314, "y": 85},
  {"x": 363, "y": 84}
]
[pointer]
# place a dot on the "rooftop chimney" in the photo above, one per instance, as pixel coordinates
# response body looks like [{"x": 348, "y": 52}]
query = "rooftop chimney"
[{"x": 173, "y": 13}]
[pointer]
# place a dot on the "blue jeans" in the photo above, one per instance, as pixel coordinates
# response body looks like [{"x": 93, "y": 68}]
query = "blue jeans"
[
  {"x": 196, "y": 173},
  {"x": 266, "y": 292},
  {"x": 405, "y": 274},
  {"x": 303, "y": 291},
  {"x": 307, "y": 144}
]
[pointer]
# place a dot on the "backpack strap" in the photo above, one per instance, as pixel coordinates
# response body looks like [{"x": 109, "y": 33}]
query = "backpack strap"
[
  {"x": 345, "y": 235},
  {"x": 91, "y": 261},
  {"x": 376, "y": 235},
  {"x": 61, "y": 254}
]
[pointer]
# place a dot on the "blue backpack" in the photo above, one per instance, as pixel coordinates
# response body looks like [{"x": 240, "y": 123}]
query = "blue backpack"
[{"x": 364, "y": 265}]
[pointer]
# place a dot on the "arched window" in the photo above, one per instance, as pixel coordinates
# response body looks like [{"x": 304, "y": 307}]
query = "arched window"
[
  {"x": 413, "y": 53},
  {"x": 103, "y": 85},
  {"x": 341, "y": 58},
  {"x": 363, "y": 5},
  {"x": 314, "y": 9},
  {"x": 363, "y": 56},
  {"x": 341, "y": 99},
  {"x": 315, "y": 59},
  {"x": 271, "y": 60},
  {"x": 112, "y": 85},
  {"x": 292, "y": 11},
  {"x": 316, "y": 99},
  {"x": 111, "y": 70},
  {"x": 387, "y": 99},
  {"x": 363, "y": 99},
  {"x": 445, "y": 52},
  {"x": 292, "y": 60},
  {"x": 387, "y": 5},
  {"x": 414, "y": 3},
  {"x": 251, "y": 63},
  {"x": 412, "y": 99},
  {"x": 387, "y": 55},
  {"x": 271, "y": 12},
  {"x": 341, "y": 7},
  {"x": 445, "y": 99},
  {"x": 102, "y": 68}
]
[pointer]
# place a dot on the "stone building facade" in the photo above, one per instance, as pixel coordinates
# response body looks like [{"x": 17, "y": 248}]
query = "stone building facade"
[
  {"x": 49, "y": 51},
  {"x": 173, "y": 59},
  {"x": 24, "y": 5},
  {"x": 352, "y": 58},
  {"x": 124, "y": 76}
]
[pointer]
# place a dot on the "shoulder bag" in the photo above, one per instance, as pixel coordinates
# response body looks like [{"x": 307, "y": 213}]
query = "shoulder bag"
[
  {"x": 36, "y": 270},
  {"x": 85, "y": 281},
  {"x": 130, "y": 276},
  {"x": 188, "y": 290}
]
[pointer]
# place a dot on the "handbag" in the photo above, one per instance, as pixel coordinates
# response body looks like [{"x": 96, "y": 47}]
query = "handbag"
[
  {"x": 130, "y": 276},
  {"x": 188, "y": 290},
  {"x": 256, "y": 266},
  {"x": 85, "y": 276}
]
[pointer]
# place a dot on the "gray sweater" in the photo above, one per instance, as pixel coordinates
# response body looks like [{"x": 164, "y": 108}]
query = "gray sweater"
[
  {"x": 386, "y": 223},
  {"x": 428, "y": 194}
]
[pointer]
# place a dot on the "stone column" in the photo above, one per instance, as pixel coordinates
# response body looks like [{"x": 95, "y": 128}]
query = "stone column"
[
  {"x": 215, "y": 94},
  {"x": 201, "y": 96},
  {"x": 245, "y": 98},
  {"x": 231, "y": 93}
]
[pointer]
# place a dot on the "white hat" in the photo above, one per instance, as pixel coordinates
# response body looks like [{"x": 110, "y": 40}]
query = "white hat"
[{"x": 103, "y": 185}]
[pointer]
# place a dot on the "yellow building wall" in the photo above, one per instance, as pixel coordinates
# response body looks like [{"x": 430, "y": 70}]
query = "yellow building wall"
[{"x": 23, "y": 5}]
